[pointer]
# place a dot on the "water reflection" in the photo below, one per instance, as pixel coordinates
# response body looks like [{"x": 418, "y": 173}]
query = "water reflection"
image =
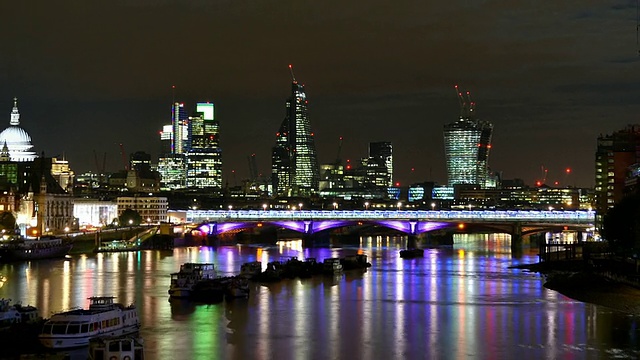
[{"x": 452, "y": 303}]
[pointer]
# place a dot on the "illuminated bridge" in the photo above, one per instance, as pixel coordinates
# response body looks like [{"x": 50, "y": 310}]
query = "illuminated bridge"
[{"x": 308, "y": 222}]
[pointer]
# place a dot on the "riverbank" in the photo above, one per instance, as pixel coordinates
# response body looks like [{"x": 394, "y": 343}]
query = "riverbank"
[{"x": 571, "y": 279}]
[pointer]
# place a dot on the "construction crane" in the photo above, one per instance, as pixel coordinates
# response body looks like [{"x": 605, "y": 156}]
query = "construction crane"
[
  {"x": 123, "y": 155},
  {"x": 100, "y": 169},
  {"x": 466, "y": 105}
]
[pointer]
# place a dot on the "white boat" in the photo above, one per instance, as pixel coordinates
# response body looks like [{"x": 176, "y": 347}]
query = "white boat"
[
  {"x": 116, "y": 348},
  {"x": 11, "y": 315},
  {"x": 74, "y": 328},
  {"x": 332, "y": 266},
  {"x": 190, "y": 274}
]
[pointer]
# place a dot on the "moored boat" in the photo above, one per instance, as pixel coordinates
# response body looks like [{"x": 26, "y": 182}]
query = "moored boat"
[
  {"x": 358, "y": 261},
  {"x": 75, "y": 328},
  {"x": 250, "y": 270},
  {"x": 237, "y": 287},
  {"x": 14, "y": 314},
  {"x": 332, "y": 266},
  {"x": 34, "y": 249},
  {"x": 116, "y": 348},
  {"x": 190, "y": 274}
]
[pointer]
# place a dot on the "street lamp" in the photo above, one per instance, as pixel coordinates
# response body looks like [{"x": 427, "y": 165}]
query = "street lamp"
[
  {"x": 433, "y": 206},
  {"x": 399, "y": 205},
  {"x": 230, "y": 207},
  {"x": 335, "y": 206},
  {"x": 366, "y": 205},
  {"x": 300, "y": 206},
  {"x": 264, "y": 207}
]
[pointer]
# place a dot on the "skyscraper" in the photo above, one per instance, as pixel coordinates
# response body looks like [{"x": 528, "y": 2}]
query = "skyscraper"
[
  {"x": 294, "y": 169},
  {"x": 615, "y": 154},
  {"x": 381, "y": 156},
  {"x": 194, "y": 158},
  {"x": 204, "y": 160},
  {"x": 179, "y": 122},
  {"x": 466, "y": 146}
]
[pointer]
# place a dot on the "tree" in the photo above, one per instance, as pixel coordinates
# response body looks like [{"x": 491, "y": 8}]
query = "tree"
[
  {"x": 7, "y": 221},
  {"x": 621, "y": 226},
  {"x": 130, "y": 217}
]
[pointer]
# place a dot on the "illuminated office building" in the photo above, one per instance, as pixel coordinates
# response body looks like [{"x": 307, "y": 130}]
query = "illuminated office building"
[
  {"x": 466, "y": 146},
  {"x": 204, "y": 157},
  {"x": 190, "y": 149},
  {"x": 615, "y": 156},
  {"x": 380, "y": 163},
  {"x": 295, "y": 170},
  {"x": 180, "y": 123}
]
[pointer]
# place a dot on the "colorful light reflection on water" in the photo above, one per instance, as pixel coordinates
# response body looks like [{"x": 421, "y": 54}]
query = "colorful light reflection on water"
[{"x": 453, "y": 303}]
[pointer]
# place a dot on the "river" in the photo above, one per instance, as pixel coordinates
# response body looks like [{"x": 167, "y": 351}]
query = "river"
[{"x": 460, "y": 302}]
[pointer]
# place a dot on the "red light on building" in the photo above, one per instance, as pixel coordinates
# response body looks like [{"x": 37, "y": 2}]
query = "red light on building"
[{"x": 538, "y": 183}]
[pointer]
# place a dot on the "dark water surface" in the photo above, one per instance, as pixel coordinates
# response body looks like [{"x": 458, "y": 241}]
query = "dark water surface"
[{"x": 454, "y": 303}]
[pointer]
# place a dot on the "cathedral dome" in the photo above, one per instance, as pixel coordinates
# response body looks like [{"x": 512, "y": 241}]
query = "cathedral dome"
[
  {"x": 16, "y": 138},
  {"x": 15, "y": 135}
]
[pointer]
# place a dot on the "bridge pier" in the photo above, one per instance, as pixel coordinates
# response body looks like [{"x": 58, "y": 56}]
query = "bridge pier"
[
  {"x": 516, "y": 239},
  {"x": 319, "y": 239},
  {"x": 412, "y": 241}
]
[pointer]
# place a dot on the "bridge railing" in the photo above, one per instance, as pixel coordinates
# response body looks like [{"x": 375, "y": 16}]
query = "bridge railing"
[{"x": 551, "y": 216}]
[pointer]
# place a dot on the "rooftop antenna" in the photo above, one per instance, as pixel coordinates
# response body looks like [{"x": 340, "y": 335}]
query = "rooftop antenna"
[
  {"x": 638, "y": 25},
  {"x": 293, "y": 77},
  {"x": 173, "y": 94}
]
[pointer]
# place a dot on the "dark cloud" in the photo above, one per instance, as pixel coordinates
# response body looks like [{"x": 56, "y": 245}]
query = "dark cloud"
[{"x": 550, "y": 76}]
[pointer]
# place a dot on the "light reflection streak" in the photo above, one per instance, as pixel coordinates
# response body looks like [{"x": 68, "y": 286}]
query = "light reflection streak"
[
  {"x": 334, "y": 321},
  {"x": 66, "y": 279},
  {"x": 399, "y": 325},
  {"x": 302, "y": 307},
  {"x": 264, "y": 318},
  {"x": 367, "y": 311},
  {"x": 464, "y": 299}
]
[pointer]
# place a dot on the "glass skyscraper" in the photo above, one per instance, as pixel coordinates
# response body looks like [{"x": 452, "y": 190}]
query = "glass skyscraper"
[
  {"x": 194, "y": 157},
  {"x": 204, "y": 160},
  {"x": 295, "y": 170},
  {"x": 381, "y": 154},
  {"x": 466, "y": 147}
]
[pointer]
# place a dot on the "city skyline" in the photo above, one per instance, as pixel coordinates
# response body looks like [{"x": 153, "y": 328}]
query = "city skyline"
[{"x": 550, "y": 77}]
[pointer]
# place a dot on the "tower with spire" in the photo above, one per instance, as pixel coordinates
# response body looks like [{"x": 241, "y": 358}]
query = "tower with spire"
[{"x": 295, "y": 170}]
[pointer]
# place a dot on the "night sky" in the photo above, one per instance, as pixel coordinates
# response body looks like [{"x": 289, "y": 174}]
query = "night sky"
[{"x": 551, "y": 76}]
